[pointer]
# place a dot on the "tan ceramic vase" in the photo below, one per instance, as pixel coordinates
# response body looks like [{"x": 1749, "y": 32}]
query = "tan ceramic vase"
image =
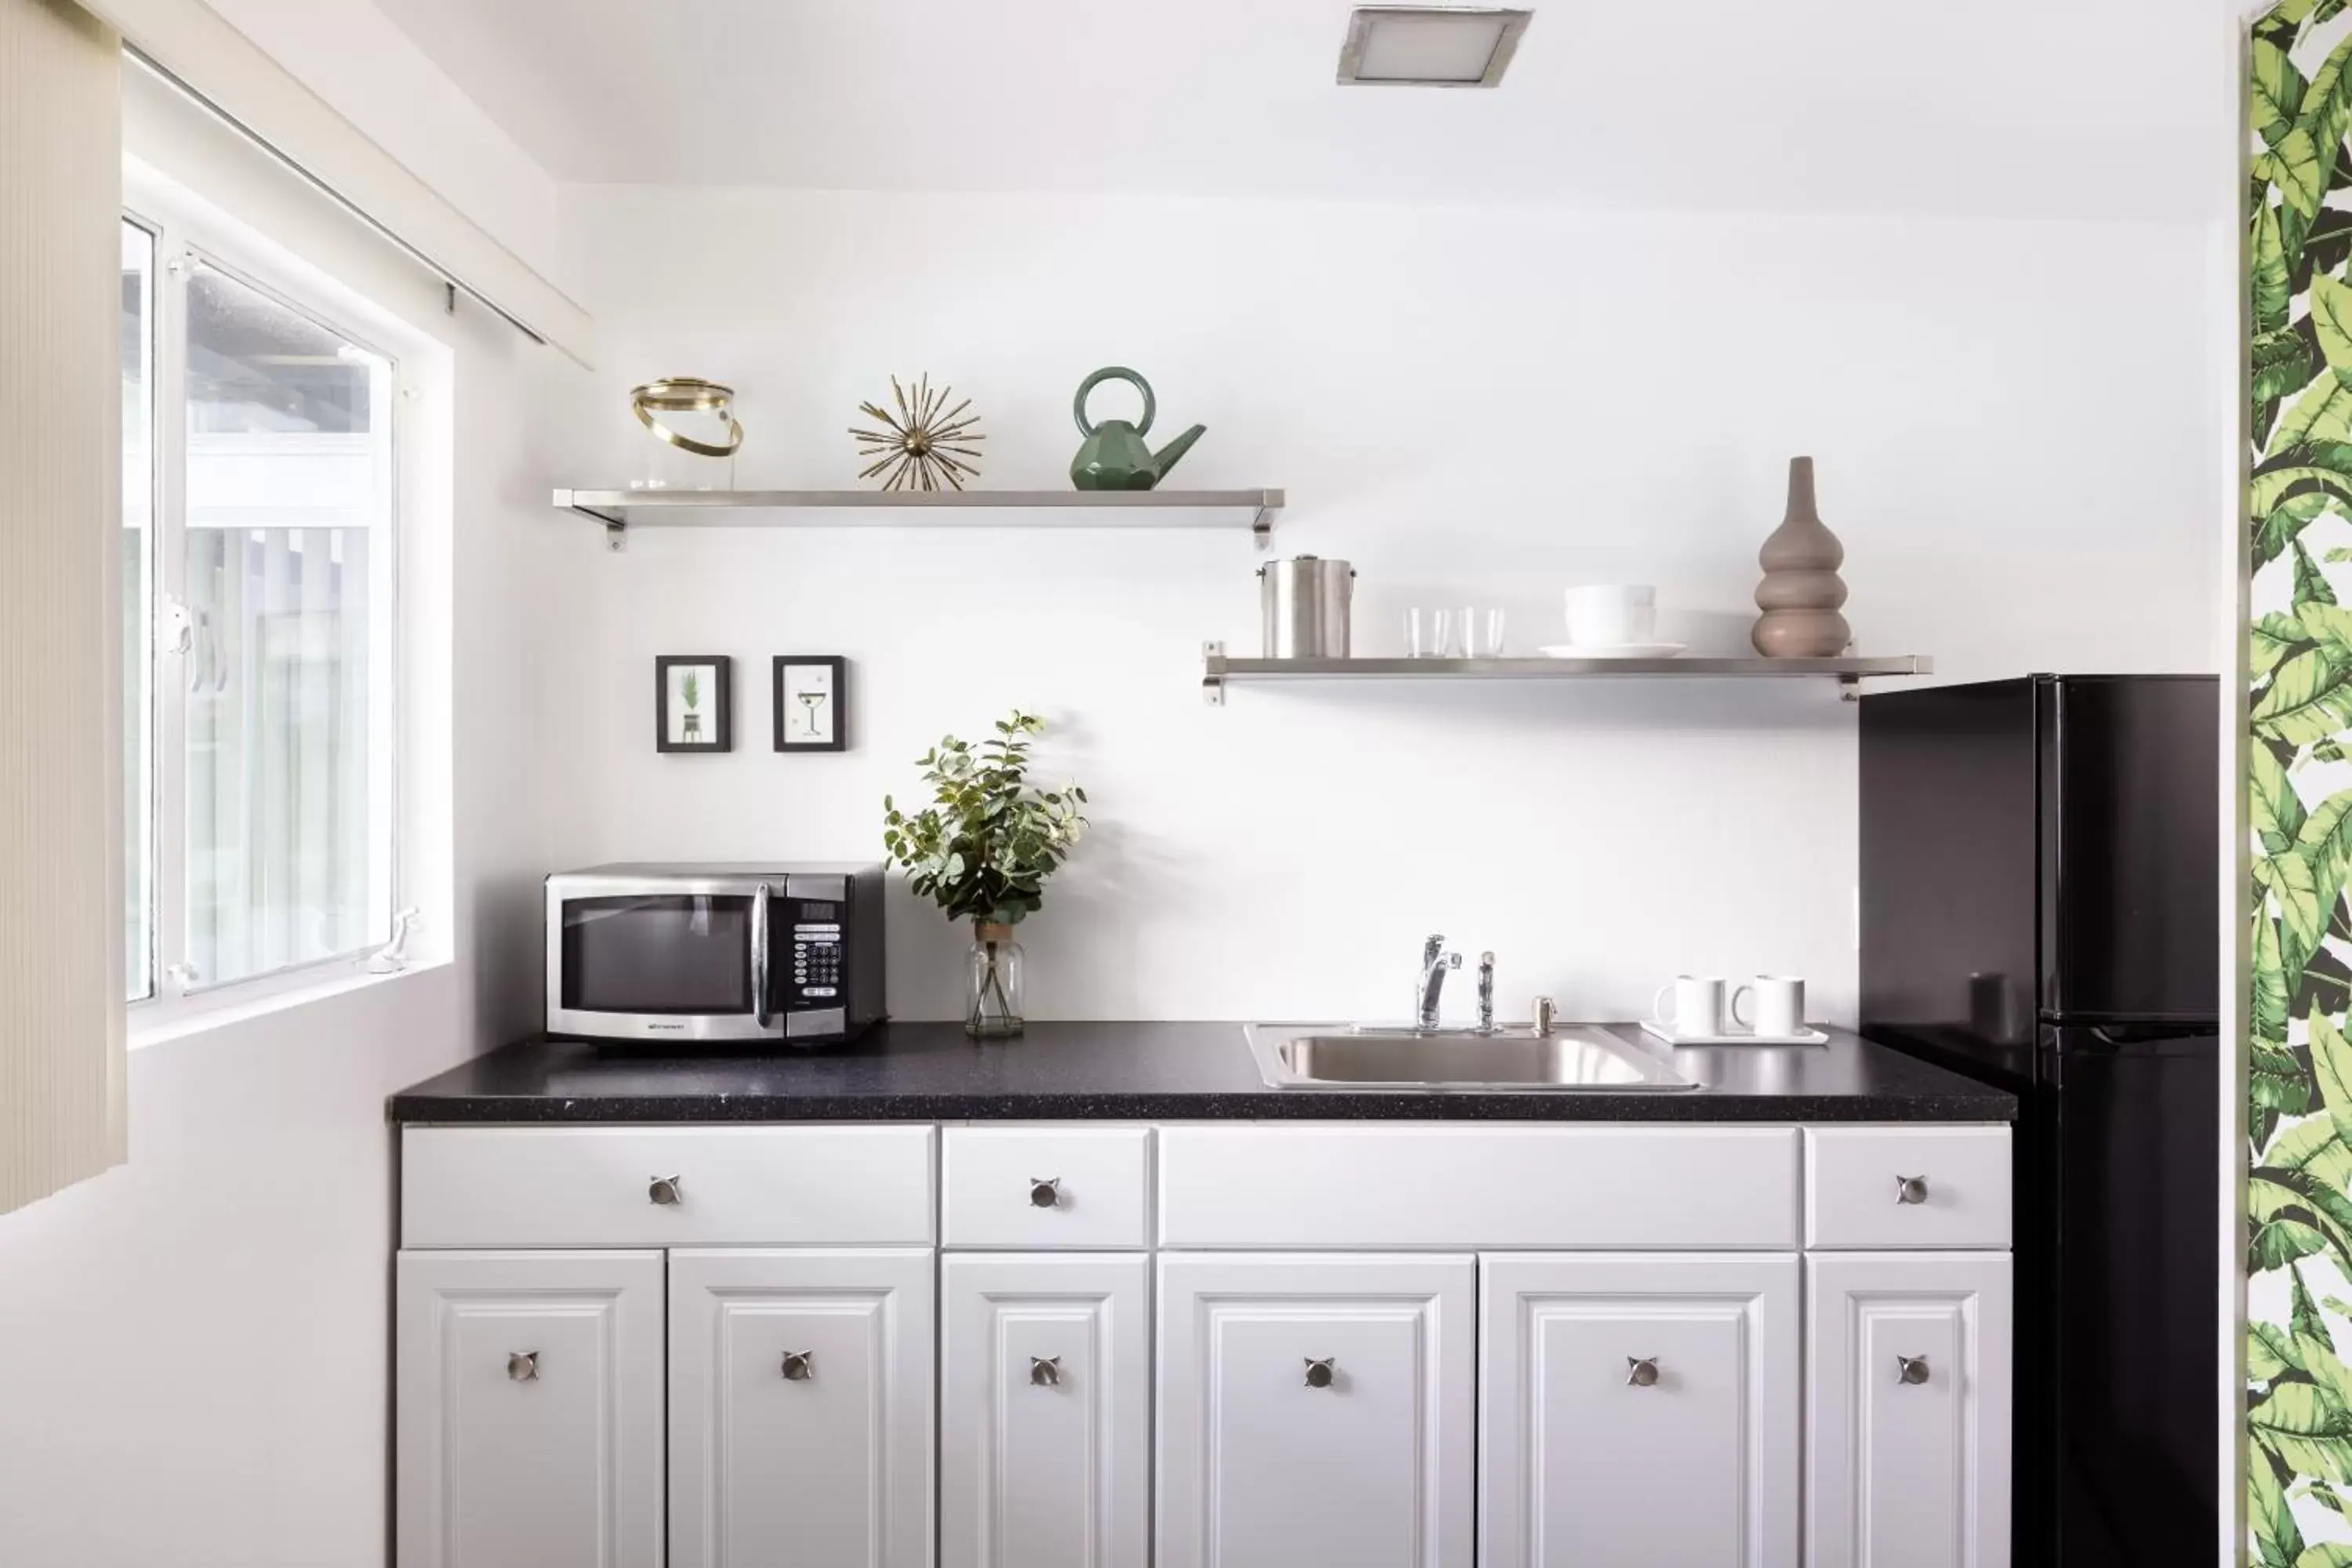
[{"x": 1801, "y": 591}]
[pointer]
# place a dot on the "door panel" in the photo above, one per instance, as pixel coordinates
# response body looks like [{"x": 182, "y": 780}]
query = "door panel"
[
  {"x": 1315, "y": 1410},
  {"x": 800, "y": 1408},
  {"x": 1046, "y": 1412},
  {"x": 2127, "y": 1262},
  {"x": 1908, "y": 1404},
  {"x": 529, "y": 1409},
  {"x": 1588, "y": 1461}
]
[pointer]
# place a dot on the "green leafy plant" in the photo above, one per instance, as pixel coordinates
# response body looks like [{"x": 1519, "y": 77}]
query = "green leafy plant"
[
  {"x": 984, "y": 846},
  {"x": 690, "y": 687}
]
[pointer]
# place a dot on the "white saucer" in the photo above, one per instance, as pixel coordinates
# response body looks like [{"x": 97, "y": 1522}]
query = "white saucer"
[
  {"x": 1657, "y": 1031},
  {"x": 1614, "y": 650}
]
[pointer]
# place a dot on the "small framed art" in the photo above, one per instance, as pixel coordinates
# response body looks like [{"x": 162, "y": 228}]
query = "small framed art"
[
  {"x": 812, "y": 702},
  {"x": 692, "y": 704}
]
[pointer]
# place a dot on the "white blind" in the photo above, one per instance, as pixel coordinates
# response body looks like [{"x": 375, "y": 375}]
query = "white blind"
[{"x": 61, "y": 1063}]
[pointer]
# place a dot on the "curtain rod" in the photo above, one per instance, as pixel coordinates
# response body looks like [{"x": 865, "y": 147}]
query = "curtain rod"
[{"x": 285, "y": 160}]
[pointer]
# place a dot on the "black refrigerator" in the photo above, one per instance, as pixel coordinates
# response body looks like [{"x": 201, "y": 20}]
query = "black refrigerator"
[{"x": 2039, "y": 908}]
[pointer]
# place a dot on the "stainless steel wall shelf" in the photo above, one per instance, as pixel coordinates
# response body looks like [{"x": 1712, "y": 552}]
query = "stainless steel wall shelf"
[
  {"x": 1217, "y": 669},
  {"x": 620, "y": 512}
]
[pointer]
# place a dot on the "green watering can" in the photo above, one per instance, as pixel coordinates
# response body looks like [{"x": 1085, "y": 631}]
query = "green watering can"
[{"x": 1114, "y": 457}]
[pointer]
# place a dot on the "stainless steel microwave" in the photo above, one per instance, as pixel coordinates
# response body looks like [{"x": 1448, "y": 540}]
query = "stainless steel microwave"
[{"x": 713, "y": 953}]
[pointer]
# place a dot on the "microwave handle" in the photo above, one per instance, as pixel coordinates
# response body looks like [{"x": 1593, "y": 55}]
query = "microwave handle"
[{"x": 760, "y": 957}]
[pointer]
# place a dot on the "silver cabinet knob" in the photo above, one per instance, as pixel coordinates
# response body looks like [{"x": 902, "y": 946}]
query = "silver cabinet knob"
[
  {"x": 1911, "y": 1369},
  {"x": 1046, "y": 1192},
  {"x": 1046, "y": 1370},
  {"x": 800, "y": 1366},
  {"x": 1318, "y": 1373},
  {"x": 668, "y": 1191},
  {"x": 523, "y": 1365},
  {"x": 1910, "y": 1189},
  {"x": 1641, "y": 1371}
]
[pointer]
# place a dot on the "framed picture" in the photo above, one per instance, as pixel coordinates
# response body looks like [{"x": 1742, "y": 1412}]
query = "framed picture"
[
  {"x": 812, "y": 699},
  {"x": 692, "y": 704}
]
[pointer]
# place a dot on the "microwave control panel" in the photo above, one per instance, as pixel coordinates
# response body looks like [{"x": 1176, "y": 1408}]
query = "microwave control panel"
[{"x": 817, "y": 952}]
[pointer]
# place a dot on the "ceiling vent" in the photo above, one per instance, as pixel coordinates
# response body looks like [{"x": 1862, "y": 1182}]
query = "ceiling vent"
[{"x": 1429, "y": 46}]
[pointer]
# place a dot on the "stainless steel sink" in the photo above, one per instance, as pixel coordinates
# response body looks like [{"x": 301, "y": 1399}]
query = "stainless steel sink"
[{"x": 1572, "y": 1056}]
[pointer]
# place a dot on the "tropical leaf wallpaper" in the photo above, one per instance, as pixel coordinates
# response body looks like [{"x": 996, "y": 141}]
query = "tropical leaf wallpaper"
[{"x": 2299, "y": 1122}]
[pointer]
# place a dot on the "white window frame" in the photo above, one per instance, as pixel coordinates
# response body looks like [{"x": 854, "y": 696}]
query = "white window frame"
[{"x": 186, "y": 234}]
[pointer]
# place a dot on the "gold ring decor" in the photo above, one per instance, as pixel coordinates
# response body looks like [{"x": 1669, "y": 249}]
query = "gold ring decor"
[{"x": 685, "y": 393}]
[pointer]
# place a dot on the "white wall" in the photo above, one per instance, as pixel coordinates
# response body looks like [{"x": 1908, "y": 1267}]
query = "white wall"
[
  {"x": 192, "y": 1347},
  {"x": 2014, "y": 445}
]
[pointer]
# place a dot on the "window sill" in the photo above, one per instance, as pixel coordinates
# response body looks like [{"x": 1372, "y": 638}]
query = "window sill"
[{"x": 180, "y": 1024}]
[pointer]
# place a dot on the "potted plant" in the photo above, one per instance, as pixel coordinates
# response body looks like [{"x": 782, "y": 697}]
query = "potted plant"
[
  {"x": 981, "y": 851},
  {"x": 690, "y": 689}
]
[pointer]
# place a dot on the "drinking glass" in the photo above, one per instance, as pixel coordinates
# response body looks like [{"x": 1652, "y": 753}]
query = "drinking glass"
[
  {"x": 1482, "y": 634},
  {"x": 1430, "y": 634}
]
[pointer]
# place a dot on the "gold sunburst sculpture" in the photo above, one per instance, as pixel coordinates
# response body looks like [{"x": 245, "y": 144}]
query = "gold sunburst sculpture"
[{"x": 922, "y": 448}]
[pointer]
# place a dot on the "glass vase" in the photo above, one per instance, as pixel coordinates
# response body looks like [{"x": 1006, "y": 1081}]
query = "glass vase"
[{"x": 991, "y": 989}]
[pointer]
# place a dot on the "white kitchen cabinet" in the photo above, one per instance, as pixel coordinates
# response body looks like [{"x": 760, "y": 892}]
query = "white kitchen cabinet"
[
  {"x": 1315, "y": 1409},
  {"x": 1045, "y": 1410},
  {"x": 1638, "y": 1409},
  {"x": 1907, "y": 1410},
  {"x": 800, "y": 1407},
  {"x": 530, "y": 1409}
]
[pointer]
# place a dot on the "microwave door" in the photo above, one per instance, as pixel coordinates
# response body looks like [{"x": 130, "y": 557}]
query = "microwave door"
[{"x": 641, "y": 964}]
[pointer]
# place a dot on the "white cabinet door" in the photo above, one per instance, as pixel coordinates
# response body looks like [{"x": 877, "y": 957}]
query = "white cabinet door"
[
  {"x": 1045, "y": 1410},
  {"x": 1638, "y": 1409},
  {"x": 528, "y": 1409},
  {"x": 1908, "y": 1404},
  {"x": 1315, "y": 1409},
  {"x": 800, "y": 1408}
]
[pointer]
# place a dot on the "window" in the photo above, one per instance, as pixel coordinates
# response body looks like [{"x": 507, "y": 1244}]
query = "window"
[{"x": 259, "y": 513}]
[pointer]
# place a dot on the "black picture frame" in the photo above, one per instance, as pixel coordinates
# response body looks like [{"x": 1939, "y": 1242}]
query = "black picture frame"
[
  {"x": 782, "y": 692},
  {"x": 722, "y": 705}
]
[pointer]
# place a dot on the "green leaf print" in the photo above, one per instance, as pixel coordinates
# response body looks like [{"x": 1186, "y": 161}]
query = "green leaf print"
[
  {"x": 2311, "y": 584},
  {"x": 2269, "y": 1353},
  {"x": 2302, "y": 1318},
  {"x": 2308, "y": 1428},
  {"x": 2275, "y": 1535},
  {"x": 2272, "y": 486},
  {"x": 2273, "y": 279},
  {"x": 2295, "y": 167},
  {"x": 2271, "y": 987},
  {"x": 2277, "y": 811},
  {"x": 2323, "y": 413},
  {"x": 2287, "y": 521},
  {"x": 2331, "y": 1067},
  {"x": 2277, "y": 1079},
  {"x": 2304, "y": 700},
  {"x": 2278, "y": 88}
]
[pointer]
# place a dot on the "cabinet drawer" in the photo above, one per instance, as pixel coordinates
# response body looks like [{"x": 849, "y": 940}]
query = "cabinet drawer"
[
  {"x": 1881, "y": 1187},
  {"x": 665, "y": 1186},
  {"x": 1042, "y": 1188},
  {"x": 1464, "y": 1188}
]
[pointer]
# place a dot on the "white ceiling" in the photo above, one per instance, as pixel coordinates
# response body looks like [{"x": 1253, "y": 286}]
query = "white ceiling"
[{"x": 2055, "y": 107}]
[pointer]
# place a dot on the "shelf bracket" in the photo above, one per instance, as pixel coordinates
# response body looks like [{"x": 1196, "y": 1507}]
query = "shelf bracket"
[
  {"x": 1213, "y": 672},
  {"x": 1262, "y": 529},
  {"x": 1850, "y": 687}
]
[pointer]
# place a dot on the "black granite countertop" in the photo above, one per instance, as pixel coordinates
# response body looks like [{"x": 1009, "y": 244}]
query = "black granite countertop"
[{"x": 931, "y": 1072}]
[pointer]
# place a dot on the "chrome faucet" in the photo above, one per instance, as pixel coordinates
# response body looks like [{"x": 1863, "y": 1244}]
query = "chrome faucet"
[
  {"x": 1485, "y": 992},
  {"x": 1435, "y": 961}
]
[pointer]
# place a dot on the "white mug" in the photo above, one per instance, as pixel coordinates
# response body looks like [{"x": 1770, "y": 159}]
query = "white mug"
[
  {"x": 1698, "y": 1005},
  {"x": 1780, "y": 1006},
  {"x": 1612, "y": 617}
]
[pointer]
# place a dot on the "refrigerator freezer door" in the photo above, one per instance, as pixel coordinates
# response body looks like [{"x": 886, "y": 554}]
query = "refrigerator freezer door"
[{"x": 2130, "y": 847}]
